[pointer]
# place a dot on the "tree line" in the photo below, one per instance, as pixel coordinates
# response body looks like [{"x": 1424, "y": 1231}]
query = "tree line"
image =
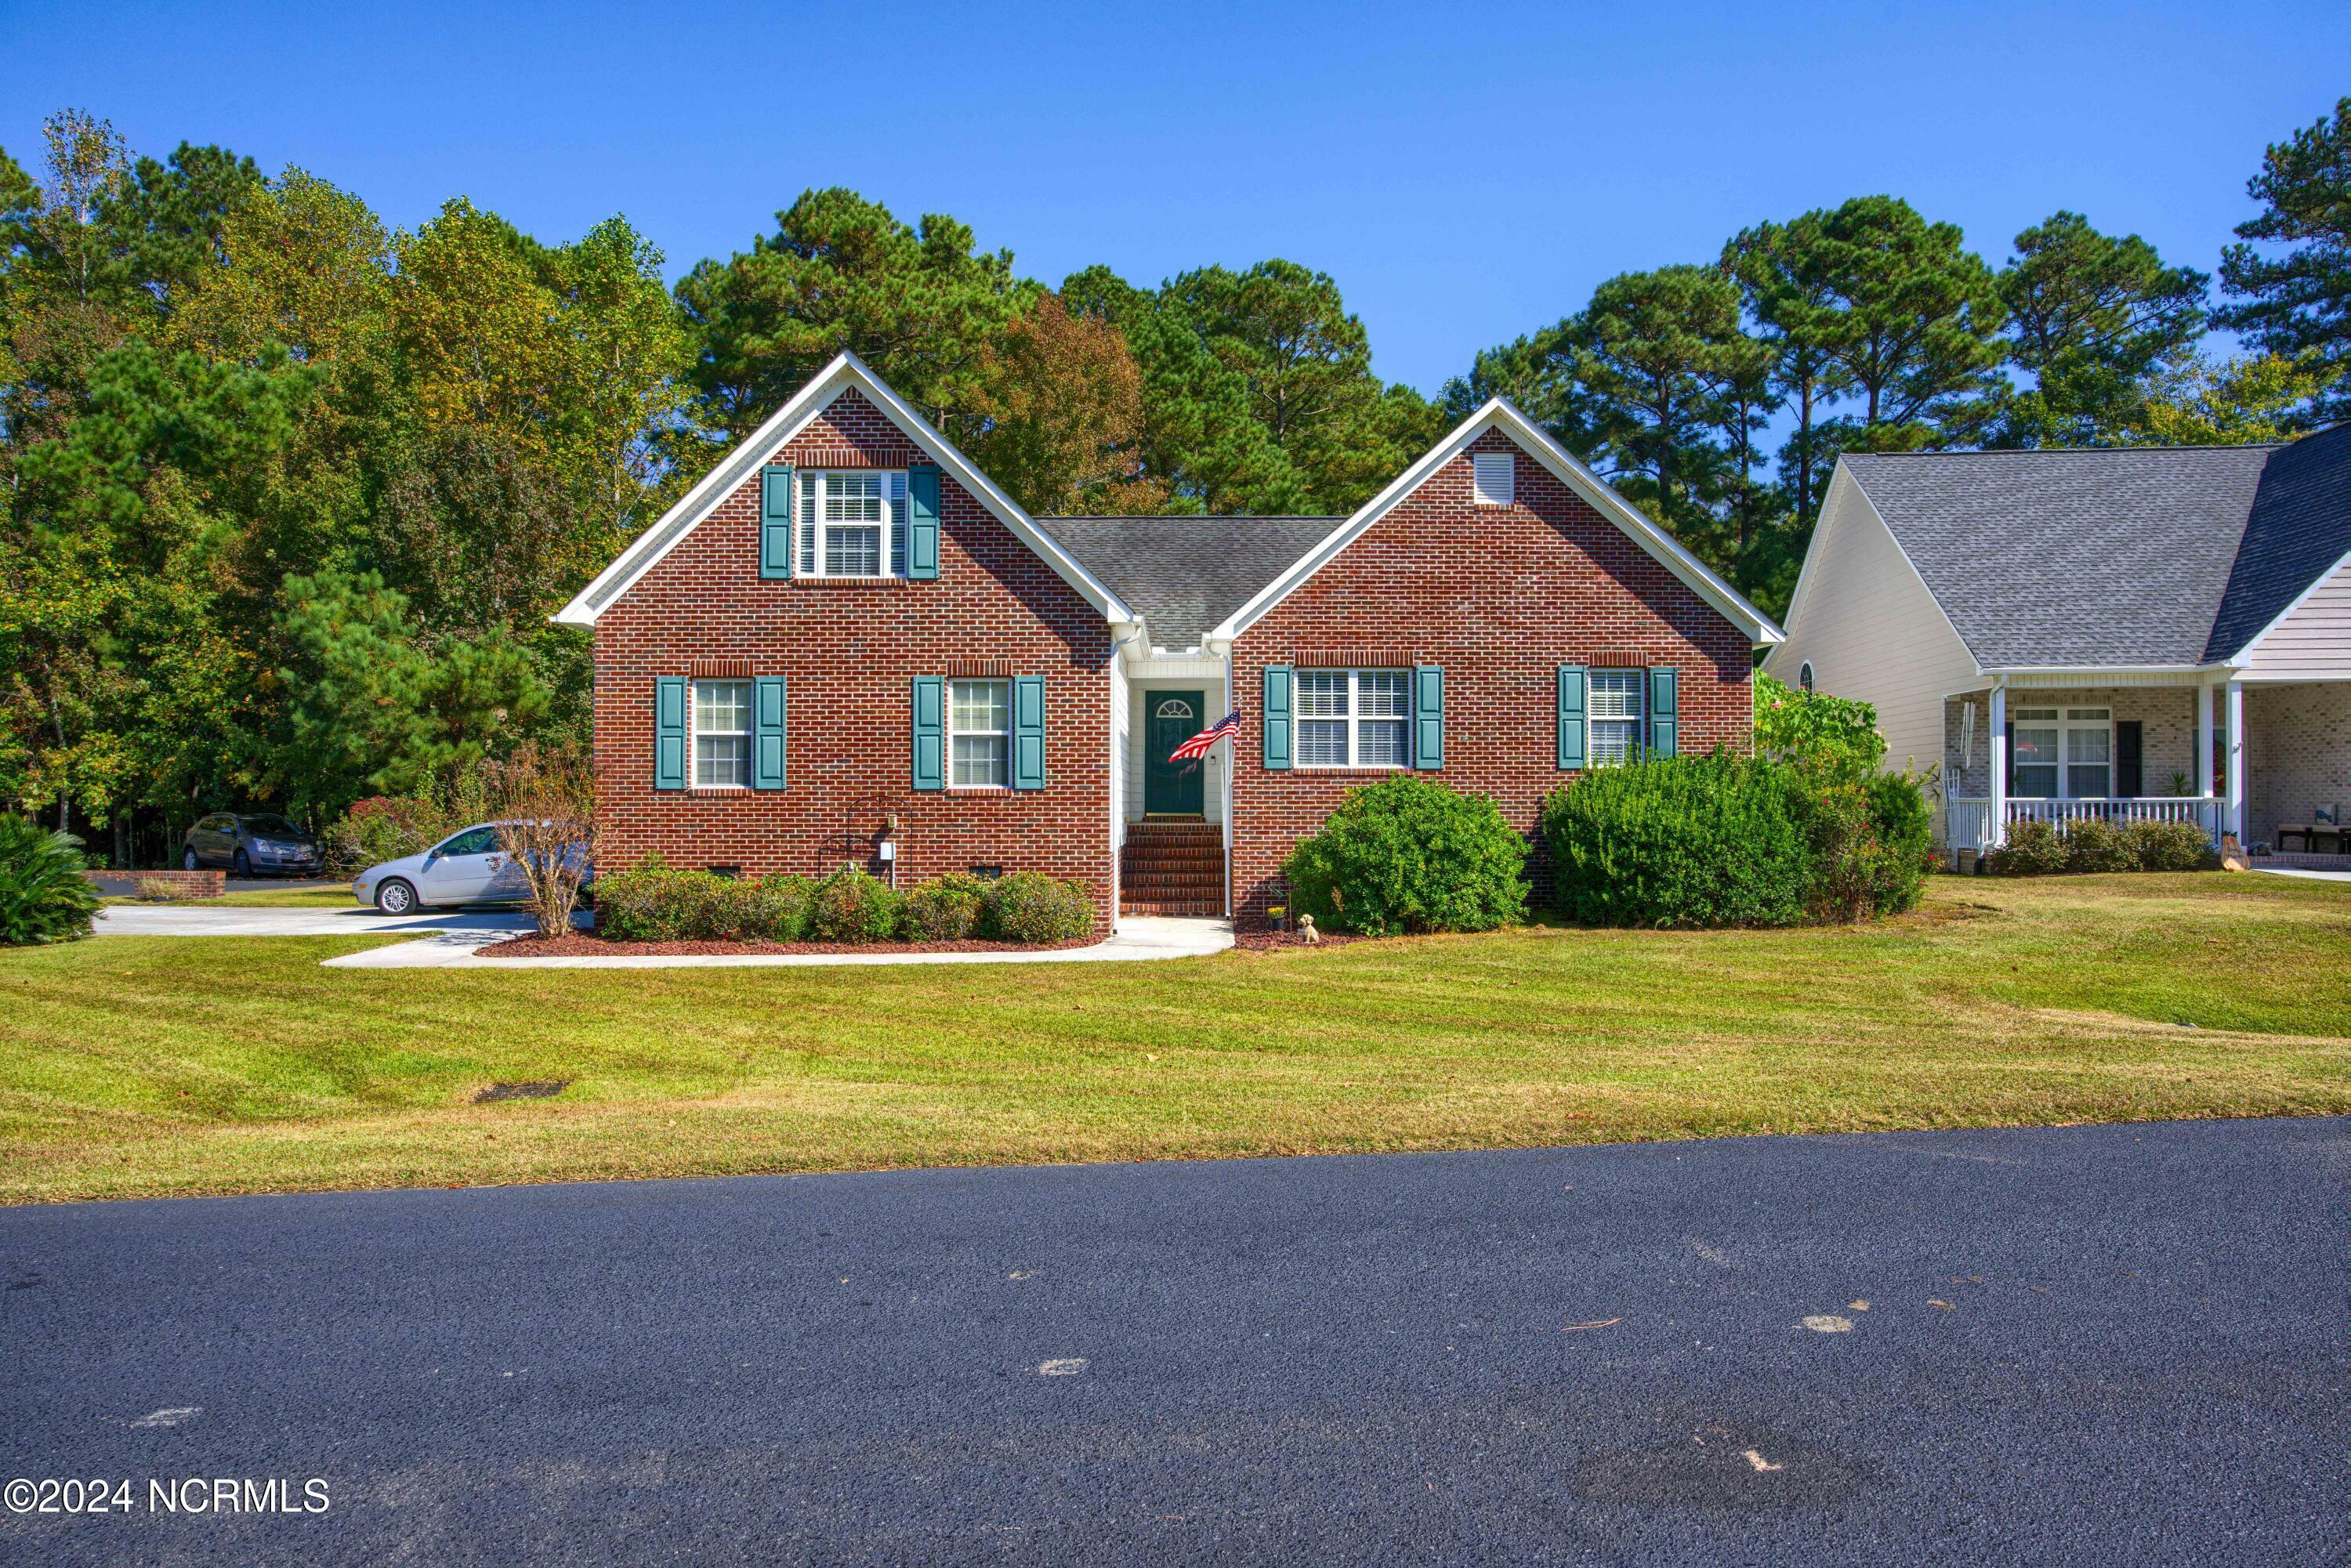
[{"x": 287, "y": 494}]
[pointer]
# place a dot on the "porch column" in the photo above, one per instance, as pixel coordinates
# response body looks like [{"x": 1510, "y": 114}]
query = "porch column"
[
  {"x": 1999, "y": 791},
  {"x": 2203, "y": 775},
  {"x": 2232, "y": 814}
]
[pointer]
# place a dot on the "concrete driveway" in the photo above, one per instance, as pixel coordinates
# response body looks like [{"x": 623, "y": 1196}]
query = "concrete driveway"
[{"x": 2082, "y": 1346}]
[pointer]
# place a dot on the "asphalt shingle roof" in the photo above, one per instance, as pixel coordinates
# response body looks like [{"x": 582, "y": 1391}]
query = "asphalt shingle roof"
[
  {"x": 1187, "y": 574},
  {"x": 2108, "y": 557},
  {"x": 2300, "y": 526}
]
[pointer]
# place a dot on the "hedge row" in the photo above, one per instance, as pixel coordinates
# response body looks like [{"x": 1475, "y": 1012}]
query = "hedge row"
[
  {"x": 654, "y": 902},
  {"x": 2038, "y": 849}
]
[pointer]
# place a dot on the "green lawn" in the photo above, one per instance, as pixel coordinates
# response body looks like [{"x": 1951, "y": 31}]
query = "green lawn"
[{"x": 156, "y": 1065}]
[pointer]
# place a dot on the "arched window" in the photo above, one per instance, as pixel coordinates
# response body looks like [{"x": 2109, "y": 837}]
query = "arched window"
[
  {"x": 1174, "y": 707},
  {"x": 1804, "y": 675}
]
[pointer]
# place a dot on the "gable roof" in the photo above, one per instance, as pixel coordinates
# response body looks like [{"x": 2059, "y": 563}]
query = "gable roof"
[
  {"x": 845, "y": 371},
  {"x": 2115, "y": 557},
  {"x": 1498, "y": 414},
  {"x": 1185, "y": 574},
  {"x": 2299, "y": 532}
]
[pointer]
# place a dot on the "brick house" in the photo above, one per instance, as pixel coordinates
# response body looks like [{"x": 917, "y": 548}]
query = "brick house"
[
  {"x": 2125, "y": 634},
  {"x": 847, "y": 645}
]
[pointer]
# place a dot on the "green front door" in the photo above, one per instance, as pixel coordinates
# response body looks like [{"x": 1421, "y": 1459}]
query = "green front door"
[{"x": 1171, "y": 718}]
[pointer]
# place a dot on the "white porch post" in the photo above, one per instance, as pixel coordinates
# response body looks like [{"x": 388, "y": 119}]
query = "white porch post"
[
  {"x": 2203, "y": 776},
  {"x": 2233, "y": 814},
  {"x": 1999, "y": 791}
]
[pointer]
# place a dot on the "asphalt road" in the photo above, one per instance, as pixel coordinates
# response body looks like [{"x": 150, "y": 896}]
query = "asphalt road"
[{"x": 2082, "y": 1346}]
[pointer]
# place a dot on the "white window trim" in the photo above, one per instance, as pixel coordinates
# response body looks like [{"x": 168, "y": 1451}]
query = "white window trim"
[
  {"x": 954, "y": 729},
  {"x": 694, "y": 731},
  {"x": 1356, "y": 718},
  {"x": 1638, "y": 719},
  {"x": 812, "y": 528},
  {"x": 1479, "y": 492}
]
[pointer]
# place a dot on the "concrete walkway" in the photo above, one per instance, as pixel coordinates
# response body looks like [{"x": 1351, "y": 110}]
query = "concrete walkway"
[
  {"x": 1139, "y": 939},
  {"x": 445, "y": 939},
  {"x": 2303, "y": 870}
]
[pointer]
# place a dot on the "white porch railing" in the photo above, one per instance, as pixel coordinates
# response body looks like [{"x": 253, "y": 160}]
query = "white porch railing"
[{"x": 1967, "y": 822}]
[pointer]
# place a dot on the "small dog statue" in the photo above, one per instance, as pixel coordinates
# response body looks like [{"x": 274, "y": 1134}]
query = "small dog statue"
[{"x": 1306, "y": 932}]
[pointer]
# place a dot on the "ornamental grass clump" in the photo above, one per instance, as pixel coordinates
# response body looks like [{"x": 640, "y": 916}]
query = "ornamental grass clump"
[
  {"x": 1408, "y": 854},
  {"x": 44, "y": 897}
]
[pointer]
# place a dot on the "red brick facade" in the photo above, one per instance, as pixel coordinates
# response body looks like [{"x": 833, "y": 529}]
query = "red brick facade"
[
  {"x": 1500, "y": 598},
  {"x": 850, "y": 650}
]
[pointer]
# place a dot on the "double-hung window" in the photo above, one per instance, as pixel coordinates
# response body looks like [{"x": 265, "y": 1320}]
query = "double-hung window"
[
  {"x": 1354, "y": 718},
  {"x": 852, "y": 522},
  {"x": 1614, "y": 716},
  {"x": 2032, "y": 765},
  {"x": 722, "y": 734},
  {"x": 2089, "y": 753},
  {"x": 979, "y": 733}
]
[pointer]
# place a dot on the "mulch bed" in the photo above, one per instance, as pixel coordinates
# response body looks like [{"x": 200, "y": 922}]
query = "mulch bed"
[
  {"x": 1269, "y": 941},
  {"x": 580, "y": 946}
]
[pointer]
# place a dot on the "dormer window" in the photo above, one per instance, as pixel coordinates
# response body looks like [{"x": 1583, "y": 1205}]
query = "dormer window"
[
  {"x": 852, "y": 522},
  {"x": 1495, "y": 477}
]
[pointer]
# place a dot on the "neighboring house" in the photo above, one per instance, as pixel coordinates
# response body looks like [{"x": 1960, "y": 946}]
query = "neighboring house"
[
  {"x": 2124, "y": 633},
  {"x": 847, "y": 645}
]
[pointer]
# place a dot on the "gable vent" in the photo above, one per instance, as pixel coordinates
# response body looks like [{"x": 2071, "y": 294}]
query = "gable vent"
[{"x": 1493, "y": 473}]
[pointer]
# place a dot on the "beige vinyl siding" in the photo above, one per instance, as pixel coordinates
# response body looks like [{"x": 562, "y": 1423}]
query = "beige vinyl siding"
[
  {"x": 1871, "y": 631},
  {"x": 2312, "y": 640}
]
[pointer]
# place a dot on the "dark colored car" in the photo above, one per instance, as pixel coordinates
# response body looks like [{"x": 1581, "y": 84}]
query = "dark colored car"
[{"x": 260, "y": 843}]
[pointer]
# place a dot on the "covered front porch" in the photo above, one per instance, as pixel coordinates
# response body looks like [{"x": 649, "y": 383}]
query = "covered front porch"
[{"x": 2252, "y": 759}]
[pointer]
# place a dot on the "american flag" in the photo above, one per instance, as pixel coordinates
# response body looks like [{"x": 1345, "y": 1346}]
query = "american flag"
[{"x": 1199, "y": 745}]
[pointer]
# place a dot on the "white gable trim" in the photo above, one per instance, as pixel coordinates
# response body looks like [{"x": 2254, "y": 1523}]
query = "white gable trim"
[
  {"x": 1537, "y": 443},
  {"x": 846, "y": 370}
]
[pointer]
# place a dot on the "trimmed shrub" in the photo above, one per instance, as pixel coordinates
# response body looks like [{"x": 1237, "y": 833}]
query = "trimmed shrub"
[
  {"x": 2168, "y": 846},
  {"x": 656, "y": 902},
  {"x": 2033, "y": 849},
  {"x": 1872, "y": 841},
  {"x": 1408, "y": 854},
  {"x": 1031, "y": 907},
  {"x": 44, "y": 897},
  {"x": 778, "y": 908},
  {"x": 953, "y": 908},
  {"x": 1681, "y": 841},
  {"x": 850, "y": 906},
  {"x": 2093, "y": 844}
]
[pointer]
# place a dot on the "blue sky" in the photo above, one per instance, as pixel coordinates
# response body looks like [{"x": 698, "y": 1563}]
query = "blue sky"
[{"x": 1467, "y": 172}]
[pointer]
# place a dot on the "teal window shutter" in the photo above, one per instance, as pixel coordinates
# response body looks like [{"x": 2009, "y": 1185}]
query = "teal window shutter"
[
  {"x": 930, "y": 732},
  {"x": 669, "y": 732},
  {"x": 1663, "y": 715},
  {"x": 768, "y": 733},
  {"x": 1428, "y": 716},
  {"x": 1571, "y": 733},
  {"x": 776, "y": 520},
  {"x": 1028, "y": 731},
  {"x": 1278, "y": 685},
  {"x": 922, "y": 522}
]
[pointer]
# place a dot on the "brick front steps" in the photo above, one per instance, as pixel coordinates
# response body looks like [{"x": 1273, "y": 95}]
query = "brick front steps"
[{"x": 1173, "y": 868}]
